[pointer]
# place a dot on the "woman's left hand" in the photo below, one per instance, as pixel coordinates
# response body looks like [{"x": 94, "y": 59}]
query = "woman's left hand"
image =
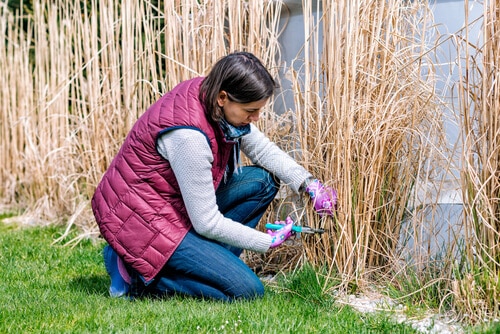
[{"x": 324, "y": 198}]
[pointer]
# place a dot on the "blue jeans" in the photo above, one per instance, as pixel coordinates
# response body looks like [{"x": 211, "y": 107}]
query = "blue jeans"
[{"x": 204, "y": 268}]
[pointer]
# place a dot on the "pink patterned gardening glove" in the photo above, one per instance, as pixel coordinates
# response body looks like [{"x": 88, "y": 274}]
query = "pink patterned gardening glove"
[
  {"x": 279, "y": 236},
  {"x": 324, "y": 198}
]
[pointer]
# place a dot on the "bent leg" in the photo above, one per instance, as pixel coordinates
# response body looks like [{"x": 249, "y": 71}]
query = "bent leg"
[{"x": 205, "y": 269}]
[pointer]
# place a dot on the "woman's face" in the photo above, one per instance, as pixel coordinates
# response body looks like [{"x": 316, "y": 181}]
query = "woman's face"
[{"x": 240, "y": 114}]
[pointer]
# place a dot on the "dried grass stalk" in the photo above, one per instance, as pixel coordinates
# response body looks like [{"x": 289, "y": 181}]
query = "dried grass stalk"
[
  {"x": 363, "y": 110},
  {"x": 476, "y": 288},
  {"x": 78, "y": 75}
]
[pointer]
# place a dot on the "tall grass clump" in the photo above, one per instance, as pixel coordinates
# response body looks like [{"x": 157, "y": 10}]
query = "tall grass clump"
[
  {"x": 477, "y": 284},
  {"x": 365, "y": 114},
  {"x": 77, "y": 74}
]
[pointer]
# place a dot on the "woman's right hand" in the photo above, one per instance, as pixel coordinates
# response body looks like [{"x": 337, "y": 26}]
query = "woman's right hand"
[{"x": 279, "y": 236}]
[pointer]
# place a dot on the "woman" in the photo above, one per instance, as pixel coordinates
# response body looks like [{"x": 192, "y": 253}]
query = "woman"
[{"x": 175, "y": 207}]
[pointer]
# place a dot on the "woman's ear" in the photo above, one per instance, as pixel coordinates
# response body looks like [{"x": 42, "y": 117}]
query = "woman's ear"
[{"x": 221, "y": 98}]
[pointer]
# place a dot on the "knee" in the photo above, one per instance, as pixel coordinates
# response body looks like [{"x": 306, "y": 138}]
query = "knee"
[
  {"x": 252, "y": 290},
  {"x": 243, "y": 283},
  {"x": 270, "y": 183}
]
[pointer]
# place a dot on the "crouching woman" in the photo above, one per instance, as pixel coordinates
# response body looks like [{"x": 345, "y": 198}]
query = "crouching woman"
[{"x": 174, "y": 206}]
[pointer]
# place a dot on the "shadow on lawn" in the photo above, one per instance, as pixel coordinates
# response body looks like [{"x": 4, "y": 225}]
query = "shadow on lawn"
[{"x": 96, "y": 284}]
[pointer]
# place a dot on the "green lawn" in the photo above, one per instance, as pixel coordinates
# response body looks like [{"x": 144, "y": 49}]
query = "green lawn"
[{"x": 47, "y": 288}]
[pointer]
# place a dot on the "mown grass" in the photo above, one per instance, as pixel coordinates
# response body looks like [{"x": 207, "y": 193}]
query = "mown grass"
[
  {"x": 52, "y": 288},
  {"x": 46, "y": 288}
]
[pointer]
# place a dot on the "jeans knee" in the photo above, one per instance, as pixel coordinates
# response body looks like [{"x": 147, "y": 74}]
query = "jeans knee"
[
  {"x": 252, "y": 290},
  {"x": 271, "y": 184}
]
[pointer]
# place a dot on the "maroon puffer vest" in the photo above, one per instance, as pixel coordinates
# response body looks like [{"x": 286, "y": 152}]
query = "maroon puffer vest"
[{"x": 137, "y": 204}]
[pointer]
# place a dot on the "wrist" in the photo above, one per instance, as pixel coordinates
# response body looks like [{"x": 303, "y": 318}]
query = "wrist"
[{"x": 307, "y": 182}]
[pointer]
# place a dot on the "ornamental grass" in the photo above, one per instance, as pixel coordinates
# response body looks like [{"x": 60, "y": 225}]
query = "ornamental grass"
[{"x": 476, "y": 284}]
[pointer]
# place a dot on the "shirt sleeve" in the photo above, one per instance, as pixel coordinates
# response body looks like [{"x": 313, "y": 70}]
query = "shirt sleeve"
[
  {"x": 263, "y": 152},
  {"x": 191, "y": 159}
]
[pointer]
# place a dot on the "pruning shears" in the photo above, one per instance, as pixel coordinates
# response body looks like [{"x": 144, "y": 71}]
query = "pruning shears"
[{"x": 296, "y": 228}]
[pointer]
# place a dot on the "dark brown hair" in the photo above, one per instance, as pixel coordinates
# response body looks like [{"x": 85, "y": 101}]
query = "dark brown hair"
[{"x": 242, "y": 76}]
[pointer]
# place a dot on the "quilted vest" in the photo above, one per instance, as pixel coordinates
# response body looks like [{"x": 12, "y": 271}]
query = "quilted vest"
[{"x": 137, "y": 204}]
